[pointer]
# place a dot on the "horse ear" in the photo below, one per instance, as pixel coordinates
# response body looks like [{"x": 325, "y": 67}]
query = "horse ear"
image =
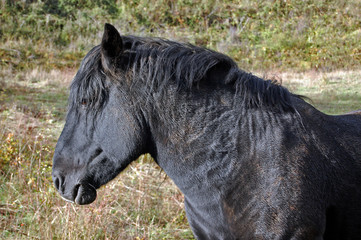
[{"x": 111, "y": 45}]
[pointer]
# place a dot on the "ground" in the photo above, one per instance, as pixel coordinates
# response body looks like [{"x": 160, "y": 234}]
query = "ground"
[{"x": 142, "y": 202}]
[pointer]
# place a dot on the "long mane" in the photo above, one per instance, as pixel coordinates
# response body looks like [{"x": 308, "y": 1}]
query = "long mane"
[{"x": 159, "y": 62}]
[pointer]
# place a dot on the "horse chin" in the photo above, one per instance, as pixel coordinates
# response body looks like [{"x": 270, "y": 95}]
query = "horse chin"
[{"x": 86, "y": 194}]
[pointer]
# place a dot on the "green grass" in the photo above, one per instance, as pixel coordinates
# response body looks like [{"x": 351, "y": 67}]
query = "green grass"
[
  {"x": 141, "y": 203},
  {"x": 296, "y": 34},
  {"x": 312, "y": 47},
  {"x": 333, "y": 92}
]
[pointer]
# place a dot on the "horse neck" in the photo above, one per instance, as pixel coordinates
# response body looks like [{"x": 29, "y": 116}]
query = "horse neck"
[{"x": 201, "y": 126}]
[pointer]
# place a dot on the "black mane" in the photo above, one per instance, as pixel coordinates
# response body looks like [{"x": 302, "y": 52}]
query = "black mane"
[{"x": 157, "y": 62}]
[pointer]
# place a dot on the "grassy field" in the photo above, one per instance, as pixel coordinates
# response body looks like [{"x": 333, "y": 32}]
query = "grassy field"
[
  {"x": 312, "y": 47},
  {"x": 292, "y": 34},
  {"x": 142, "y": 203}
]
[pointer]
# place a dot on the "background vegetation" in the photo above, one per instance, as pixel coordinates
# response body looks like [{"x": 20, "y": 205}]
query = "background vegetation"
[
  {"x": 282, "y": 34},
  {"x": 312, "y": 47}
]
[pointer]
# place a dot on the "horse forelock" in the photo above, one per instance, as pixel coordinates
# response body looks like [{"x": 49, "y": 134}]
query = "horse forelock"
[{"x": 88, "y": 88}]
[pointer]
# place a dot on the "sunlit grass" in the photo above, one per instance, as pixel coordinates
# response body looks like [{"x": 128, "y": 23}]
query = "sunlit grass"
[
  {"x": 142, "y": 202},
  {"x": 303, "y": 44},
  {"x": 335, "y": 92},
  {"x": 298, "y": 35}
]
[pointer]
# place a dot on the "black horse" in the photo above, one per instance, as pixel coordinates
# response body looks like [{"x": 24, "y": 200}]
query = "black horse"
[{"x": 253, "y": 160}]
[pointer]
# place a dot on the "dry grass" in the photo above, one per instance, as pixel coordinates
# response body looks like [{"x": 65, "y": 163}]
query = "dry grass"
[
  {"x": 141, "y": 203},
  {"x": 334, "y": 92}
]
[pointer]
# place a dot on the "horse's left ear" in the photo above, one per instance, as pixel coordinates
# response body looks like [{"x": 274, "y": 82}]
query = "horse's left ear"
[{"x": 111, "y": 46}]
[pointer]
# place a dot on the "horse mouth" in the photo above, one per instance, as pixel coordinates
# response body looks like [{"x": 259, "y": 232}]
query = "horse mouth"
[{"x": 84, "y": 194}]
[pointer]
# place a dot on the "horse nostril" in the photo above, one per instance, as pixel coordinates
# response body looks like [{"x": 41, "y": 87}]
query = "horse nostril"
[
  {"x": 75, "y": 191},
  {"x": 58, "y": 182}
]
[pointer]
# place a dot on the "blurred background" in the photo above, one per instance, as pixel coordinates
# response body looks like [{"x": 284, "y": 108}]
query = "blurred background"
[{"x": 312, "y": 47}]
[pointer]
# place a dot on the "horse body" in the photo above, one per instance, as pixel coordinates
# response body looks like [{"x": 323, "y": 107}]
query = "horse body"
[
  {"x": 252, "y": 160},
  {"x": 337, "y": 141},
  {"x": 274, "y": 181}
]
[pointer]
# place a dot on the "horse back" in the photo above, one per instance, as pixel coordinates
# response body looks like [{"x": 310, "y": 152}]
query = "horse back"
[
  {"x": 343, "y": 131},
  {"x": 348, "y": 128}
]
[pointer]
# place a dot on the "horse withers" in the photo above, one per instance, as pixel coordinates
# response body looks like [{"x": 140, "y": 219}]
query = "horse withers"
[{"x": 253, "y": 160}]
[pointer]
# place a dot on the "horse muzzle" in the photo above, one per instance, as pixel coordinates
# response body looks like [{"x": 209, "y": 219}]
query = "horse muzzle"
[{"x": 74, "y": 191}]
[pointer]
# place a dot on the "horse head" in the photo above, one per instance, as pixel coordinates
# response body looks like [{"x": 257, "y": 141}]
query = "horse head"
[{"x": 104, "y": 130}]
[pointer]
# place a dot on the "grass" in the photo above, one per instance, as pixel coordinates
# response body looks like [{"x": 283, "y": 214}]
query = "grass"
[
  {"x": 334, "y": 92},
  {"x": 141, "y": 203},
  {"x": 130, "y": 207},
  {"x": 312, "y": 47},
  {"x": 295, "y": 34}
]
